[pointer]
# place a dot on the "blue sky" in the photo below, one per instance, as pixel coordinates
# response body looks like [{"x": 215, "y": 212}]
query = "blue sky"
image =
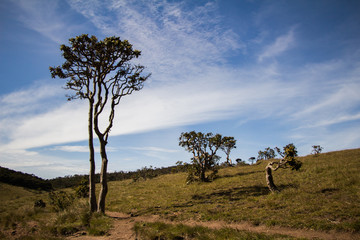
[{"x": 268, "y": 73}]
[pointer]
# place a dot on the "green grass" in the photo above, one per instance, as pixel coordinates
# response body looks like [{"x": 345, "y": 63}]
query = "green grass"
[
  {"x": 19, "y": 219},
  {"x": 323, "y": 195},
  {"x": 157, "y": 230}
]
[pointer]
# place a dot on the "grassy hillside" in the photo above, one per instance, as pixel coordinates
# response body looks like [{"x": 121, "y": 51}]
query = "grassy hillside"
[
  {"x": 21, "y": 179},
  {"x": 19, "y": 219},
  {"x": 323, "y": 195}
]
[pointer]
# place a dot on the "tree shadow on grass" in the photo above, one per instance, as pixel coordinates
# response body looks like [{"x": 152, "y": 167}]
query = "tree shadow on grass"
[{"x": 235, "y": 194}]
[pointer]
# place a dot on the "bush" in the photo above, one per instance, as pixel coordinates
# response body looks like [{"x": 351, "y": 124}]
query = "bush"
[
  {"x": 61, "y": 200},
  {"x": 82, "y": 191},
  {"x": 39, "y": 204}
]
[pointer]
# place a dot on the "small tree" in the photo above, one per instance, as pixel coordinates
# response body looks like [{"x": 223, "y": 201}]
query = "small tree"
[
  {"x": 267, "y": 154},
  {"x": 252, "y": 159},
  {"x": 204, "y": 148},
  {"x": 288, "y": 161},
  {"x": 102, "y": 72},
  {"x": 316, "y": 150},
  {"x": 239, "y": 161},
  {"x": 229, "y": 143}
]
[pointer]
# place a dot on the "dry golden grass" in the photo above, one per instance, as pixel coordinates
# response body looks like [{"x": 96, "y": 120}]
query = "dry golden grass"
[{"x": 323, "y": 195}]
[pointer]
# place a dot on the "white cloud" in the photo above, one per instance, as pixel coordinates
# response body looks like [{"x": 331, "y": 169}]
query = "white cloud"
[
  {"x": 41, "y": 165},
  {"x": 281, "y": 44},
  {"x": 339, "y": 119},
  {"x": 329, "y": 94},
  {"x": 151, "y": 149},
  {"x": 345, "y": 96},
  {"x": 29, "y": 100},
  {"x": 175, "y": 42},
  {"x": 186, "y": 50},
  {"x": 71, "y": 148},
  {"x": 62, "y": 124},
  {"x": 41, "y": 16},
  {"x": 80, "y": 149},
  {"x": 211, "y": 97},
  {"x": 330, "y": 140},
  {"x": 52, "y": 18}
]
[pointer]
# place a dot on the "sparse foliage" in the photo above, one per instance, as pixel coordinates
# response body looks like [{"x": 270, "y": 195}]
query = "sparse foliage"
[
  {"x": 229, "y": 143},
  {"x": 289, "y": 157},
  {"x": 252, "y": 159},
  {"x": 240, "y": 162},
  {"x": 267, "y": 154},
  {"x": 61, "y": 200},
  {"x": 204, "y": 148},
  {"x": 82, "y": 190},
  {"x": 288, "y": 160},
  {"x": 102, "y": 72},
  {"x": 316, "y": 150}
]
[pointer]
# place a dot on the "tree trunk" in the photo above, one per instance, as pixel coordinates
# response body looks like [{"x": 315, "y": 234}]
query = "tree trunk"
[
  {"x": 202, "y": 175},
  {"x": 202, "y": 171},
  {"x": 228, "y": 160},
  {"x": 103, "y": 177},
  {"x": 269, "y": 178},
  {"x": 92, "y": 196}
]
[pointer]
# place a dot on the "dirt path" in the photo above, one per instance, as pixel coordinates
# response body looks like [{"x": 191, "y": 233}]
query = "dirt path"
[{"x": 123, "y": 224}]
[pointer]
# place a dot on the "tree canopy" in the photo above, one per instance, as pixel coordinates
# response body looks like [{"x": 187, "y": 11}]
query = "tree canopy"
[
  {"x": 267, "y": 154},
  {"x": 204, "y": 147}
]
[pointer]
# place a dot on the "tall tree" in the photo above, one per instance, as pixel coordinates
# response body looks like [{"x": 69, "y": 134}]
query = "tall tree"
[
  {"x": 102, "y": 72},
  {"x": 288, "y": 161},
  {"x": 229, "y": 143}
]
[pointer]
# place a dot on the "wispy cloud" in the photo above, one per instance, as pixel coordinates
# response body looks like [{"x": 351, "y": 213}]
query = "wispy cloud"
[
  {"x": 29, "y": 100},
  {"x": 280, "y": 45},
  {"x": 42, "y": 165},
  {"x": 329, "y": 98},
  {"x": 151, "y": 149},
  {"x": 175, "y": 40},
  {"x": 79, "y": 148},
  {"x": 44, "y": 18},
  {"x": 166, "y": 106},
  {"x": 187, "y": 50}
]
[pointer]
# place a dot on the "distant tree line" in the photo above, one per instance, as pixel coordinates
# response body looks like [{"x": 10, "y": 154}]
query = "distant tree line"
[
  {"x": 33, "y": 182},
  {"x": 140, "y": 174},
  {"x": 24, "y": 180}
]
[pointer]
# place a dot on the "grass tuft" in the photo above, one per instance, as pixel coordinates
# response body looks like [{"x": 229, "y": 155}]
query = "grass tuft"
[{"x": 99, "y": 224}]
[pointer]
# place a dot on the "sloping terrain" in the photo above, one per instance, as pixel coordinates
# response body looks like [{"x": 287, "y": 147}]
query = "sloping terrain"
[
  {"x": 323, "y": 195},
  {"x": 319, "y": 201}
]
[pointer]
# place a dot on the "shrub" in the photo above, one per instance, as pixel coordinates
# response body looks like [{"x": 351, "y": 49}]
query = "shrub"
[
  {"x": 61, "y": 200},
  {"x": 82, "y": 191},
  {"x": 39, "y": 204}
]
